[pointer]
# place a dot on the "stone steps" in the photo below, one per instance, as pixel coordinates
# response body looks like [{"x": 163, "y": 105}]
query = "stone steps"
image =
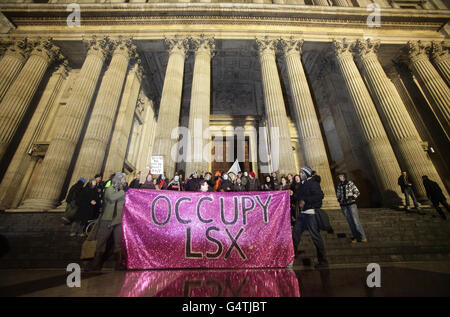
[{"x": 40, "y": 240}]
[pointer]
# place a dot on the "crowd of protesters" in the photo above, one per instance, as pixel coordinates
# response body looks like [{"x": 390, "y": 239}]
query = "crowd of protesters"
[{"x": 104, "y": 201}]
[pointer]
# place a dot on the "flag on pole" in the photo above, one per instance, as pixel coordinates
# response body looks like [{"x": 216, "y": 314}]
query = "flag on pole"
[{"x": 235, "y": 168}]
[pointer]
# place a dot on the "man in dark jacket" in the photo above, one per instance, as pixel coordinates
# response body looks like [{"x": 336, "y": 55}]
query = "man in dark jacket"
[
  {"x": 406, "y": 186},
  {"x": 309, "y": 195},
  {"x": 434, "y": 193},
  {"x": 226, "y": 185}
]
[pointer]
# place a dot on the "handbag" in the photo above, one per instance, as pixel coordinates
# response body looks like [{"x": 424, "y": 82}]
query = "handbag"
[
  {"x": 90, "y": 244},
  {"x": 88, "y": 249}
]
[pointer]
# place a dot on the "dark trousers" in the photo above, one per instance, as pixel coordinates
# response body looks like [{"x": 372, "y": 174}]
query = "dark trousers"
[
  {"x": 104, "y": 233},
  {"x": 309, "y": 222}
]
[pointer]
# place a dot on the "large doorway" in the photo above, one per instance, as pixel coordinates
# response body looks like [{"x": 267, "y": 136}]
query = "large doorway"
[{"x": 225, "y": 152}]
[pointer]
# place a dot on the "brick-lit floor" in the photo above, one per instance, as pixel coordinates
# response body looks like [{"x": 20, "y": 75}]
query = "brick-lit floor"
[{"x": 399, "y": 279}]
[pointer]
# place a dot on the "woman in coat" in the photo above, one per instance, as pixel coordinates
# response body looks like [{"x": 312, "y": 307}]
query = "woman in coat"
[{"x": 87, "y": 202}]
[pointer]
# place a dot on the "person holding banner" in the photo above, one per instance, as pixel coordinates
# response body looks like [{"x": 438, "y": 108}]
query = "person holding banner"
[
  {"x": 110, "y": 222},
  {"x": 309, "y": 196}
]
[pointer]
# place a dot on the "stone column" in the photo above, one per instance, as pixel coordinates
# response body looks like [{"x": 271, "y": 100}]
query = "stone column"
[
  {"x": 148, "y": 135},
  {"x": 436, "y": 90},
  {"x": 15, "y": 174},
  {"x": 321, "y": 2},
  {"x": 11, "y": 64},
  {"x": 399, "y": 126},
  {"x": 275, "y": 108},
  {"x": 342, "y": 3},
  {"x": 18, "y": 98},
  {"x": 169, "y": 108},
  {"x": 122, "y": 127},
  {"x": 98, "y": 132},
  {"x": 47, "y": 189},
  {"x": 441, "y": 59},
  {"x": 200, "y": 106},
  {"x": 304, "y": 115},
  {"x": 380, "y": 153}
]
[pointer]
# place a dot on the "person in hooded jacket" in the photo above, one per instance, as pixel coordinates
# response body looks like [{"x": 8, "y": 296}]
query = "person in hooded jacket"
[
  {"x": 110, "y": 222},
  {"x": 87, "y": 202},
  {"x": 175, "y": 184},
  {"x": 71, "y": 200},
  {"x": 269, "y": 185},
  {"x": 226, "y": 185}
]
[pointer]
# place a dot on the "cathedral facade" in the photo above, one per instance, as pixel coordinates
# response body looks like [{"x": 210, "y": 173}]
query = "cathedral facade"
[{"x": 354, "y": 86}]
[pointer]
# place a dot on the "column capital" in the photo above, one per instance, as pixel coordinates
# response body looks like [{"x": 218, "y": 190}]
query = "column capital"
[
  {"x": 266, "y": 45},
  {"x": 341, "y": 48},
  {"x": 416, "y": 50},
  {"x": 100, "y": 46},
  {"x": 45, "y": 48},
  {"x": 17, "y": 47},
  {"x": 439, "y": 51},
  {"x": 364, "y": 48},
  {"x": 63, "y": 68},
  {"x": 291, "y": 46},
  {"x": 177, "y": 45},
  {"x": 203, "y": 45},
  {"x": 124, "y": 46}
]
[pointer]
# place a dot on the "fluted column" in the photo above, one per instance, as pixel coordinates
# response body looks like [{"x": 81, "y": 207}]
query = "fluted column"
[
  {"x": 403, "y": 135},
  {"x": 93, "y": 148},
  {"x": 436, "y": 90},
  {"x": 321, "y": 2},
  {"x": 275, "y": 108},
  {"x": 14, "y": 181},
  {"x": 441, "y": 59},
  {"x": 380, "y": 153},
  {"x": 18, "y": 98},
  {"x": 11, "y": 64},
  {"x": 342, "y": 3},
  {"x": 169, "y": 108},
  {"x": 148, "y": 135},
  {"x": 122, "y": 127},
  {"x": 304, "y": 115},
  {"x": 200, "y": 106},
  {"x": 47, "y": 188}
]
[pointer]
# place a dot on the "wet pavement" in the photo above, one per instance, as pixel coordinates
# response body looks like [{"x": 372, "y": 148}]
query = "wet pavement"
[{"x": 397, "y": 279}]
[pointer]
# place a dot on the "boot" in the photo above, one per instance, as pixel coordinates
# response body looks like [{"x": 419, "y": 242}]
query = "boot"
[
  {"x": 97, "y": 262},
  {"x": 118, "y": 266}
]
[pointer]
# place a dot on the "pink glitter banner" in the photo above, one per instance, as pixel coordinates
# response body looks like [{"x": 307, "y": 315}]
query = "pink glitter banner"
[
  {"x": 171, "y": 229},
  {"x": 205, "y": 283}
]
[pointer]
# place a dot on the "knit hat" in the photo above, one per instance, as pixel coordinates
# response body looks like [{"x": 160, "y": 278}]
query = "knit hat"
[
  {"x": 252, "y": 174},
  {"x": 82, "y": 179},
  {"x": 307, "y": 170}
]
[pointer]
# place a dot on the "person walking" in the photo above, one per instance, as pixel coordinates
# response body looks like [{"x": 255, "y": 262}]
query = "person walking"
[
  {"x": 110, "y": 222},
  {"x": 407, "y": 189},
  {"x": 310, "y": 196},
  {"x": 434, "y": 193},
  {"x": 346, "y": 193}
]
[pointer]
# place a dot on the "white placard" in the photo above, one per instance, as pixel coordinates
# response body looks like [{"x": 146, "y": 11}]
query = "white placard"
[{"x": 157, "y": 165}]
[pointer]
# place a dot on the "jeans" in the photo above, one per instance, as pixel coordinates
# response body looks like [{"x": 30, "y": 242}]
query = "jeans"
[
  {"x": 309, "y": 222},
  {"x": 351, "y": 214},
  {"x": 103, "y": 234},
  {"x": 410, "y": 192},
  {"x": 438, "y": 209}
]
